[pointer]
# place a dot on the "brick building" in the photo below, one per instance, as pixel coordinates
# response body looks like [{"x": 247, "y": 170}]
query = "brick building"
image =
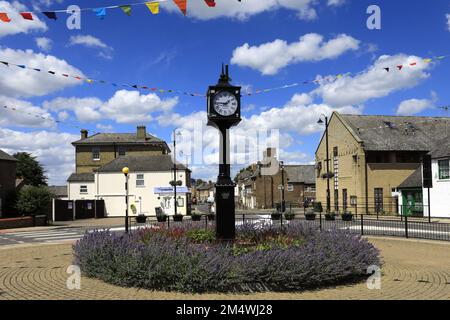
[{"x": 7, "y": 176}]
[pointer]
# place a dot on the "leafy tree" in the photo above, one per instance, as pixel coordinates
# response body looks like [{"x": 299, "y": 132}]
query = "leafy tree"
[
  {"x": 33, "y": 200},
  {"x": 30, "y": 169}
]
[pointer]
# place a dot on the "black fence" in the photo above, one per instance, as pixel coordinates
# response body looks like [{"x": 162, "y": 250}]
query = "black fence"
[{"x": 405, "y": 227}]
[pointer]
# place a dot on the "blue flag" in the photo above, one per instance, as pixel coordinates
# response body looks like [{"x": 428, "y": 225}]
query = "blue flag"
[{"x": 100, "y": 12}]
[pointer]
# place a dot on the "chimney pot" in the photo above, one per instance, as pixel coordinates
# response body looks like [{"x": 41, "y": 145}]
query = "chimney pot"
[
  {"x": 84, "y": 134},
  {"x": 141, "y": 133}
]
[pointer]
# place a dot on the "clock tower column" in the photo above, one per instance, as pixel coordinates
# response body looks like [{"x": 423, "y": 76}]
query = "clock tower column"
[{"x": 224, "y": 108}]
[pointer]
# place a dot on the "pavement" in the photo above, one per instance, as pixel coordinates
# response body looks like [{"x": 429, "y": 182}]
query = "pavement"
[{"x": 413, "y": 270}]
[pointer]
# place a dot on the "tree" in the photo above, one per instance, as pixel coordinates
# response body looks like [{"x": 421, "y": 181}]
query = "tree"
[
  {"x": 30, "y": 169},
  {"x": 33, "y": 200}
]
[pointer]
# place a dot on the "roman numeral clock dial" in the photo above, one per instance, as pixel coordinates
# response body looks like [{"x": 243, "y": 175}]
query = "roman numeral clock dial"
[{"x": 225, "y": 103}]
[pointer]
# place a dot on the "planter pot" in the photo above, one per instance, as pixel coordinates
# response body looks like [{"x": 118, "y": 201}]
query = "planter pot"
[
  {"x": 196, "y": 217},
  {"x": 178, "y": 218},
  {"x": 161, "y": 218},
  {"x": 330, "y": 217},
  {"x": 310, "y": 216},
  {"x": 141, "y": 219},
  {"x": 289, "y": 216},
  {"x": 276, "y": 216},
  {"x": 347, "y": 217},
  {"x": 211, "y": 217}
]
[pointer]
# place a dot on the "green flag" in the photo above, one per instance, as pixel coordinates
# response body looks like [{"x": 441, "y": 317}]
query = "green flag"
[{"x": 126, "y": 9}]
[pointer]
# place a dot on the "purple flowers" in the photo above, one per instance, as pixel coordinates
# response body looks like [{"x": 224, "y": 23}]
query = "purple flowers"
[{"x": 292, "y": 259}]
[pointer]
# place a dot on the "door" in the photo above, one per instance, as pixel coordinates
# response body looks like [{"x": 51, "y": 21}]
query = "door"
[{"x": 344, "y": 199}]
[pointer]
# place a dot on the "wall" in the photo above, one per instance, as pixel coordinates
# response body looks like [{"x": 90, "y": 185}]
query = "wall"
[
  {"x": 439, "y": 194},
  {"x": 111, "y": 188},
  {"x": 7, "y": 179},
  {"x": 85, "y": 164},
  {"x": 73, "y": 189}
]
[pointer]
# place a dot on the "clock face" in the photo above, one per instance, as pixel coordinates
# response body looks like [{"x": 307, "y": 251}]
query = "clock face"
[{"x": 225, "y": 103}]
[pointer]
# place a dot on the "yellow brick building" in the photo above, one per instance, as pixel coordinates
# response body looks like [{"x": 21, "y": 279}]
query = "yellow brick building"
[{"x": 370, "y": 156}]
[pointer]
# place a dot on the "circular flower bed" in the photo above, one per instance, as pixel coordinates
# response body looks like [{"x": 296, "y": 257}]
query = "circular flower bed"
[{"x": 189, "y": 259}]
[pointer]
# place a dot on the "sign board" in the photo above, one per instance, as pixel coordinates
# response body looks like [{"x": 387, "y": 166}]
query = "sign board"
[{"x": 169, "y": 190}]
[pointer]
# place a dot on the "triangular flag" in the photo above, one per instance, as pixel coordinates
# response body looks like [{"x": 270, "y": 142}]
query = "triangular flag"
[
  {"x": 440, "y": 58},
  {"x": 153, "y": 7},
  {"x": 400, "y": 67},
  {"x": 36, "y": 69},
  {"x": 100, "y": 12},
  {"x": 89, "y": 80},
  {"x": 4, "y": 17},
  {"x": 427, "y": 60},
  {"x": 413, "y": 64},
  {"x": 210, "y": 3},
  {"x": 126, "y": 9},
  {"x": 52, "y": 72},
  {"x": 387, "y": 69},
  {"x": 21, "y": 66},
  {"x": 182, "y": 4},
  {"x": 26, "y": 15},
  {"x": 50, "y": 15},
  {"x": 5, "y": 63}
]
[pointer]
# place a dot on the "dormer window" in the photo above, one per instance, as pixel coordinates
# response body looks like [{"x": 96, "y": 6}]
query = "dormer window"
[{"x": 96, "y": 154}]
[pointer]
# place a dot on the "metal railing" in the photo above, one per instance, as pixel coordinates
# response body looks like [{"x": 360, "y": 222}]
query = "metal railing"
[{"x": 365, "y": 225}]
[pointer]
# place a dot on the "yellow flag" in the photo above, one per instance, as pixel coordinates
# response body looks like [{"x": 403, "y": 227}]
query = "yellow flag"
[
  {"x": 89, "y": 80},
  {"x": 427, "y": 60},
  {"x": 153, "y": 6}
]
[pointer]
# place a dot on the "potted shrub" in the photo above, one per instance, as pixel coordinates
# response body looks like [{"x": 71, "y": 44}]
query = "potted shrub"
[
  {"x": 276, "y": 216},
  {"x": 178, "y": 217},
  {"x": 289, "y": 216},
  {"x": 161, "y": 218},
  {"x": 211, "y": 216},
  {"x": 330, "y": 216},
  {"x": 347, "y": 216},
  {"x": 196, "y": 217},
  {"x": 141, "y": 218},
  {"x": 310, "y": 215}
]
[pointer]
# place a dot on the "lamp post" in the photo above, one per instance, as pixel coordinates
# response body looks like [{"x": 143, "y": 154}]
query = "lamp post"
[
  {"x": 175, "y": 134},
  {"x": 283, "y": 203},
  {"x": 327, "y": 160},
  {"x": 125, "y": 171}
]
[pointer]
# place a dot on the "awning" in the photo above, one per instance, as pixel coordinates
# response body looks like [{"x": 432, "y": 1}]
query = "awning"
[{"x": 169, "y": 190}]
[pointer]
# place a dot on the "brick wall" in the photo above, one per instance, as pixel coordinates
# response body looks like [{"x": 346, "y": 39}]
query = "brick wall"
[{"x": 22, "y": 222}]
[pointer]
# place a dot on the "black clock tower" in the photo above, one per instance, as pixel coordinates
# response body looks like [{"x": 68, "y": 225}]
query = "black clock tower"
[{"x": 224, "y": 112}]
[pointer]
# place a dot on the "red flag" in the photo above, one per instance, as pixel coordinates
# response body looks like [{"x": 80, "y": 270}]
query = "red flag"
[
  {"x": 4, "y": 17},
  {"x": 413, "y": 64},
  {"x": 26, "y": 15},
  {"x": 182, "y": 4},
  {"x": 400, "y": 67},
  {"x": 210, "y": 3}
]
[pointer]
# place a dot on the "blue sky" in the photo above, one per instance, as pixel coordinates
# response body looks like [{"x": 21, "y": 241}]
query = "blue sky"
[{"x": 184, "y": 53}]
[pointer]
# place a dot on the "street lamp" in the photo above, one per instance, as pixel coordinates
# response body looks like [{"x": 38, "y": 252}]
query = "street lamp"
[
  {"x": 327, "y": 159},
  {"x": 175, "y": 182},
  {"x": 125, "y": 171},
  {"x": 283, "y": 203}
]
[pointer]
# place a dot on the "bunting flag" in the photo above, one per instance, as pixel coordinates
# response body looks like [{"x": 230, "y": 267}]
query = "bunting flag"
[
  {"x": 210, "y": 3},
  {"x": 317, "y": 81},
  {"x": 26, "y": 15},
  {"x": 182, "y": 4},
  {"x": 100, "y": 12},
  {"x": 126, "y": 9},
  {"x": 153, "y": 7},
  {"x": 4, "y": 17},
  {"x": 50, "y": 14}
]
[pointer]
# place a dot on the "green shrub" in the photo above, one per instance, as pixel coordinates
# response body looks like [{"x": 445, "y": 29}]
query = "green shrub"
[{"x": 34, "y": 200}]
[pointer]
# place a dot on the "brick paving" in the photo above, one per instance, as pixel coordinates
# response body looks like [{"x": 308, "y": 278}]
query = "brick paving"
[{"x": 413, "y": 270}]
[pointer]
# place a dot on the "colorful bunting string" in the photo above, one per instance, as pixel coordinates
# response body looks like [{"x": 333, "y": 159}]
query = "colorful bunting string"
[
  {"x": 317, "y": 81},
  {"x": 100, "y": 12}
]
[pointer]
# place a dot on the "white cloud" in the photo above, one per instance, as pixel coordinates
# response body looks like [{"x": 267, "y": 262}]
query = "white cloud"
[
  {"x": 305, "y": 9},
  {"x": 92, "y": 42},
  {"x": 336, "y": 3},
  {"x": 448, "y": 21},
  {"x": 124, "y": 107},
  {"x": 43, "y": 43},
  {"x": 52, "y": 149},
  {"x": 270, "y": 57},
  {"x": 105, "y": 128},
  {"x": 24, "y": 114},
  {"x": 17, "y": 23},
  {"x": 375, "y": 82},
  {"x": 413, "y": 106},
  {"x": 18, "y": 82}
]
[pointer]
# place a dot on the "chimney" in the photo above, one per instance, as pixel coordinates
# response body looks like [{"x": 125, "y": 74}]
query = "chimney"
[
  {"x": 141, "y": 133},
  {"x": 84, "y": 133}
]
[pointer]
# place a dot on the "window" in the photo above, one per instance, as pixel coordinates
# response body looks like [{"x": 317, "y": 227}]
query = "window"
[
  {"x": 378, "y": 200},
  {"x": 70, "y": 205},
  {"x": 140, "y": 182},
  {"x": 95, "y": 154},
  {"x": 121, "y": 151},
  {"x": 336, "y": 200},
  {"x": 180, "y": 202},
  {"x": 290, "y": 187},
  {"x": 444, "y": 169},
  {"x": 344, "y": 199},
  {"x": 83, "y": 189}
]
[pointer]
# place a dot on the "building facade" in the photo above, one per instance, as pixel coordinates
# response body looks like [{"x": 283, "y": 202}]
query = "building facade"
[
  {"x": 370, "y": 157},
  {"x": 7, "y": 177}
]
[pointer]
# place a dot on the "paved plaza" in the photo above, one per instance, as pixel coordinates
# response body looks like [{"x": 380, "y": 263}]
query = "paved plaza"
[{"x": 413, "y": 270}]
